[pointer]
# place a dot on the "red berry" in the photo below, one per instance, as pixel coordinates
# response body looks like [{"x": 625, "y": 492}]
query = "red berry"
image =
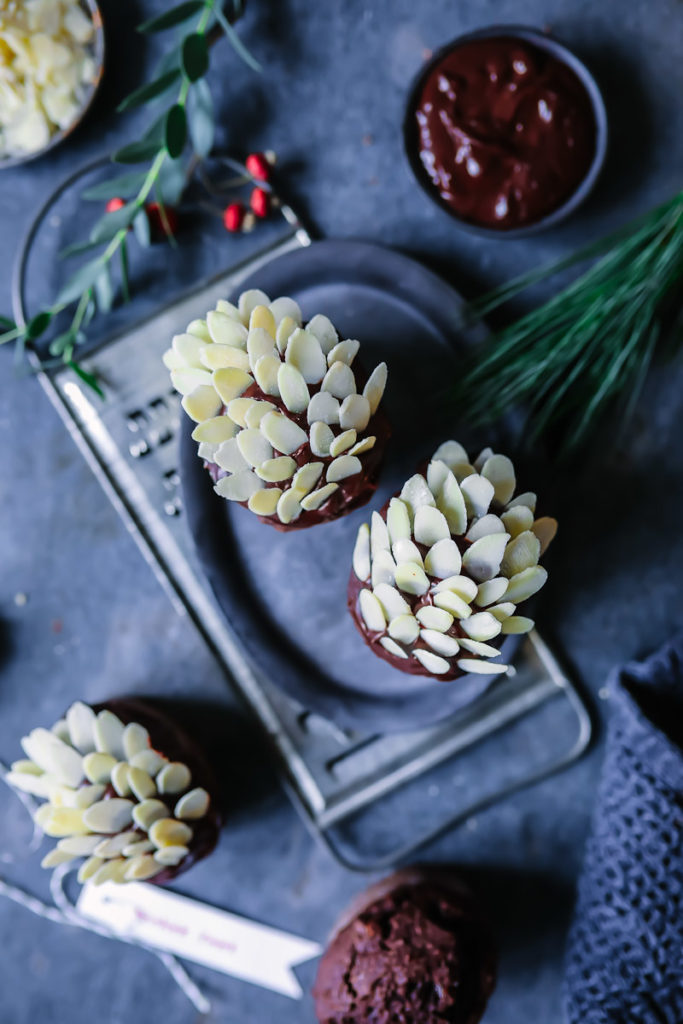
[
  {"x": 233, "y": 217},
  {"x": 115, "y": 204},
  {"x": 260, "y": 202},
  {"x": 161, "y": 225},
  {"x": 258, "y": 166}
]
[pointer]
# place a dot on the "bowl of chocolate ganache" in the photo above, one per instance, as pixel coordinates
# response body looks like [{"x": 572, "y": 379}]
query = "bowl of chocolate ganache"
[{"x": 506, "y": 130}]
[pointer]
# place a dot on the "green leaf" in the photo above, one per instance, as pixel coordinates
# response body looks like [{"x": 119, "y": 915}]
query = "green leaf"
[
  {"x": 141, "y": 228},
  {"x": 75, "y": 248},
  {"x": 87, "y": 378},
  {"x": 125, "y": 286},
  {"x": 235, "y": 41},
  {"x": 38, "y": 325},
  {"x": 104, "y": 291},
  {"x": 171, "y": 181},
  {"x": 123, "y": 185},
  {"x": 110, "y": 223},
  {"x": 195, "y": 56},
  {"x": 11, "y": 335},
  {"x": 59, "y": 345},
  {"x": 200, "y": 118},
  {"x": 80, "y": 282},
  {"x": 149, "y": 91},
  {"x": 146, "y": 147},
  {"x": 6, "y": 324},
  {"x": 176, "y": 16},
  {"x": 175, "y": 133}
]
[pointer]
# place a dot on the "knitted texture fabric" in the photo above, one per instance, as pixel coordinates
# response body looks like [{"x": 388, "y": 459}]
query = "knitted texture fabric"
[{"x": 625, "y": 953}]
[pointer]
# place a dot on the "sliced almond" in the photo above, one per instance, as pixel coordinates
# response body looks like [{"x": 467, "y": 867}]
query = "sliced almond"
[
  {"x": 481, "y": 527},
  {"x": 517, "y": 624},
  {"x": 476, "y": 666},
  {"x": 374, "y": 388},
  {"x": 218, "y": 357},
  {"x": 528, "y": 499},
  {"x": 430, "y": 526},
  {"x": 26, "y": 767},
  {"x": 503, "y": 610},
  {"x": 79, "y": 846},
  {"x": 304, "y": 352},
  {"x": 238, "y": 409},
  {"x": 81, "y": 721},
  {"x": 405, "y": 550},
  {"x": 361, "y": 553},
  {"x": 521, "y": 553},
  {"x": 202, "y": 404},
  {"x": 293, "y": 388},
  {"x": 37, "y": 785},
  {"x": 86, "y": 796},
  {"x": 481, "y": 626},
  {"x": 517, "y": 519},
  {"x": 215, "y": 430},
  {"x": 305, "y": 479},
  {"x": 254, "y": 447},
  {"x": 451, "y": 502},
  {"x": 525, "y": 584},
  {"x": 239, "y": 487},
  {"x": 344, "y": 351},
  {"x": 149, "y": 811},
  {"x": 392, "y": 603},
  {"x": 225, "y": 330},
  {"x": 452, "y": 453},
  {"x": 231, "y": 383},
  {"x": 185, "y": 381},
  {"x": 443, "y": 559},
  {"x": 169, "y": 832},
  {"x": 137, "y": 848},
  {"x": 482, "y": 559},
  {"x": 481, "y": 458},
  {"x": 363, "y": 446},
  {"x": 405, "y": 629},
  {"x": 141, "y": 783},
  {"x": 89, "y": 868},
  {"x": 111, "y": 871},
  {"x": 411, "y": 578},
  {"x": 265, "y": 372},
  {"x": 260, "y": 343},
  {"x": 275, "y": 470},
  {"x": 285, "y": 307},
  {"x": 264, "y": 502},
  {"x": 119, "y": 778},
  {"x": 229, "y": 457},
  {"x": 342, "y": 467},
  {"x": 55, "y": 857},
  {"x": 256, "y": 412},
  {"x": 321, "y": 437},
  {"x": 322, "y": 328},
  {"x": 354, "y": 413},
  {"x": 478, "y": 494},
  {"x": 437, "y": 474},
  {"x": 316, "y": 499},
  {"x": 249, "y": 300},
  {"x": 108, "y": 815},
  {"x": 463, "y": 586},
  {"x": 174, "y": 777},
  {"x": 371, "y": 611},
  {"x": 477, "y": 647},
  {"x": 289, "y": 506},
  {"x": 383, "y": 568},
  {"x": 228, "y": 309},
  {"x": 284, "y": 435},
  {"x": 462, "y": 471},
  {"x": 441, "y": 643},
  {"x": 434, "y": 618},
  {"x": 142, "y": 867},
  {"x": 379, "y": 534},
  {"x": 108, "y": 734},
  {"x": 262, "y": 318},
  {"x": 498, "y": 469},
  {"x": 171, "y": 855},
  {"x": 545, "y": 529},
  {"x": 285, "y": 329},
  {"x": 392, "y": 647},
  {"x": 415, "y": 493},
  {"x": 434, "y": 664},
  {"x": 199, "y": 329},
  {"x": 398, "y": 520},
  {"x": 339, "y": 381},
  {"x": 491, "y": 591},
  {"x": 342, "y": 442},
  {"x": 453, "y": 603},
  {"x": 113, "y": 847},
  {"x": 207, "y": 451},
  {"x": 323, "y": 407},
  {"x": 98, "y": 767}
]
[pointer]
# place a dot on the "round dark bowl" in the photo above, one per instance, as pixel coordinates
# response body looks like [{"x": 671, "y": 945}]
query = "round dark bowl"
[{"x": 560, "y": 52}]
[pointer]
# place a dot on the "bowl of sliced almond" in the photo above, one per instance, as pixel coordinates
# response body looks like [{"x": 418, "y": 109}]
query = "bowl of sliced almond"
[{"x": 51, "y": 65}]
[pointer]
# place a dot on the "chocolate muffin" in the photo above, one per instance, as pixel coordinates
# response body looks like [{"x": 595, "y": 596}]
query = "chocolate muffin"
[
  {"x": 415, "y": 950},
  {"x": 126, "y": 789},
  {"x": 438, "y": 574},
  {"x": 285, "y": 425}
]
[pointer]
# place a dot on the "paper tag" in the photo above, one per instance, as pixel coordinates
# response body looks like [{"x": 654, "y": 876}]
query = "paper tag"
[{"x": 194, "y": 931}]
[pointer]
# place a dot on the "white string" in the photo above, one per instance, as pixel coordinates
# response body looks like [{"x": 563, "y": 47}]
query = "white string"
[{"x": 65, "y": 912}]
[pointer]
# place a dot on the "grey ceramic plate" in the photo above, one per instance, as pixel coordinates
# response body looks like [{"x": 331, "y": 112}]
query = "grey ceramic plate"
[{"x": 284, "y": 594}]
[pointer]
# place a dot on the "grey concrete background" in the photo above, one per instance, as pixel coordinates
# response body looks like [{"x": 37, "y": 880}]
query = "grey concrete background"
[{"x": 96, "y": 623}]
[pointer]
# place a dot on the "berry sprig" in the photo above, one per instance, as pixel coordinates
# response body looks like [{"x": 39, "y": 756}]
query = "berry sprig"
[{"x": 142, "y": 201}]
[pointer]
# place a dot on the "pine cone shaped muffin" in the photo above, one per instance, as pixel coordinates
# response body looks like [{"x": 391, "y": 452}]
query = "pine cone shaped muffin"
[
  {"x": 438, "y": 574},
  {"x": 281, "y": 424},
  {"x": 125, "y": 788}
]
